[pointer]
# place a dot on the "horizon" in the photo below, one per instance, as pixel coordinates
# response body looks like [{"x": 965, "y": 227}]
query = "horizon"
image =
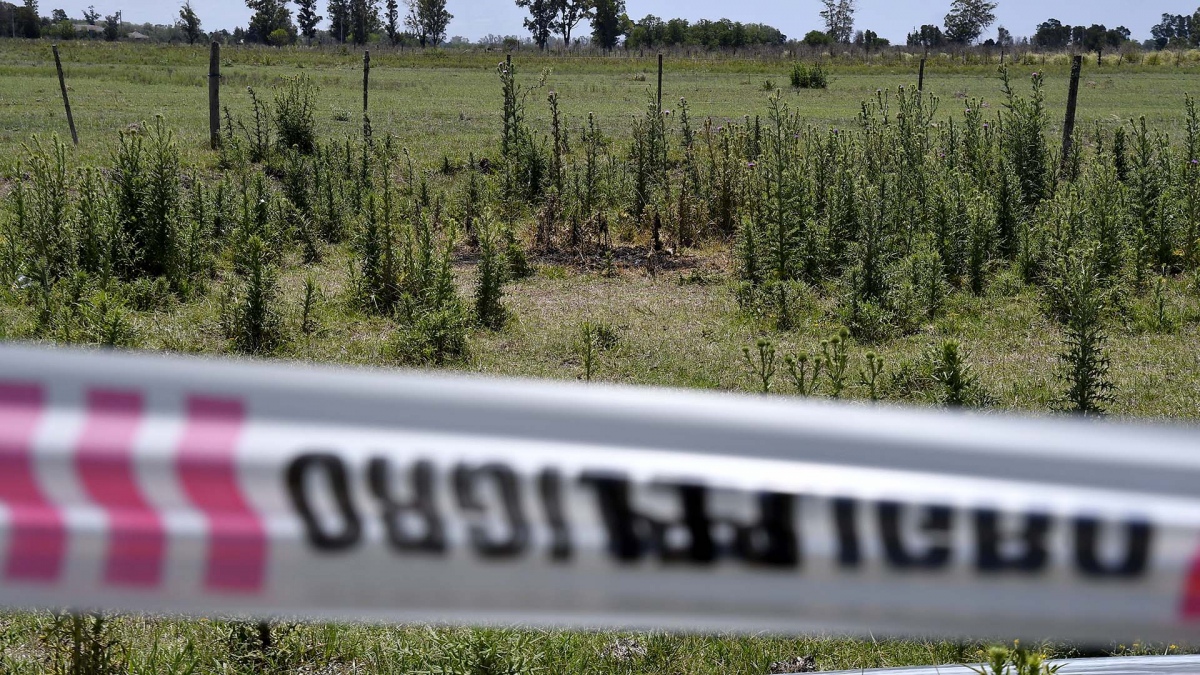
[{"x": 892, "y": 20}]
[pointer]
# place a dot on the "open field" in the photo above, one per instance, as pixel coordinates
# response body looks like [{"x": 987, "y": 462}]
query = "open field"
[
  {"x": 260, "y": 264},
  {"x": 448, "y": 104}
]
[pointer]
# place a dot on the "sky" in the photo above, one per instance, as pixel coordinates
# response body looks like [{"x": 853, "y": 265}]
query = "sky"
[{"x": 892, "y": 19}]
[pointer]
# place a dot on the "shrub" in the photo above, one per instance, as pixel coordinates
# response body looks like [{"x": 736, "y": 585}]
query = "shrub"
[
  {"x": 295, "y": 117},
  {"x": 809, "y": 77},
  {"x": 434, "y": 337},
  {"x": 958, "y": 384},
  {"x": 252, "y": 320},
  {"x": 1084, "y": 367},
  {"x": 106, "y": 321},
  {"x": 491, "y": 273}
]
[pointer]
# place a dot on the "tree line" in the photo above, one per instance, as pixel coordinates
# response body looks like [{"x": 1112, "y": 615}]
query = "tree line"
[{"x": 425, "y": 23}]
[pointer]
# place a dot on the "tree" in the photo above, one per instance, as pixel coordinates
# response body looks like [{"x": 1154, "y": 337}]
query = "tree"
[
  {"x": 839, "y": 19},
  {"x": 815, "y": 38},
  {"x": 90, "y": 15},
  {"x": 570, "y": 13},
  {"x": 1098, "y": 37},
  {"x": 58, "y": 16},
  {"x": 268, "y": 17},
  {"x": 650, "y": 32},
  {"x": 927, "y": 36},
  {"x": 869, "y": 39},
  {"x": 968, "y": 19},
  {"x": 542, "y": 19},
  {"x": 25, "y": 21},
  {"x": 1052, "y": 34},
  {"x": 364, "y": 17},
  {"x": 1004, "y": 38},
  {"x": 607, "y": 22},
  {"x": 678, "y": 31},
  {"x": 428, "y": 20},
  {"x": 112, "y": 27},
  {"x": 1173, "y": 29},
  {"x": 391, "y": 21},
  {"x": 339, "y": 19},
  {"x": 307, "y": 17},
  {"x": 189, "y": 23},
  {"x": 1094, "y": 40}
]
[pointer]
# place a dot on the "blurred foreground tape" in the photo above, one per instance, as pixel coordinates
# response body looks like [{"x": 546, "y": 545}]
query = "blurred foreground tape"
[{"x": 140, "y": 482}]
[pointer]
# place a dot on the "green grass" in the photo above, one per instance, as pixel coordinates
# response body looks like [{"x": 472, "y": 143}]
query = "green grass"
[
  {"x": 33, "y": 643},
  {"x": 448, "y": 103},
  {"x": 677, "y": 325}
]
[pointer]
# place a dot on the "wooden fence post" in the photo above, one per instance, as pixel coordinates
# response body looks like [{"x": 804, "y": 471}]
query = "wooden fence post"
[
  {"x": 660, "y": 61},
  {"x": 62, "y": 84},
  {"x": 921, "y": 76},
  {"x": 366, "y": 76},
  {"x": 214, "y": 95},
  {"x": 1069, "y": 123}
]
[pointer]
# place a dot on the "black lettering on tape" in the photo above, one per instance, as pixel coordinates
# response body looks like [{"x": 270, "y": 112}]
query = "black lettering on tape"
[
  {"x": 466, "y": 482},
  {"x": 693, "y": 500},
  {"x": 1137, "y": 538},
  {"x": 845, "y": 521},
  {"x": 550, "y": 490},
  {"x": 936, "y": 520},
  {"x": 1030, "y": 541},
  {"x": 334, "y": 471},
  {"x": 772, "y": 541},
  {"x": 620, "y": 522},
  {"x": 421, "y": 507}
]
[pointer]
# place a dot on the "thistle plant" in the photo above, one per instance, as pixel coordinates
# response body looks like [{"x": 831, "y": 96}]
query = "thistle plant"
[
  {"x": 954, "y": 374},
  {"x": 1015, "y": 661},
  {"x": 761, "y": 363},
  {"x": 805, "y": 377},
  {"x": 258, "y": 134},
  {"x": 837, "y": 361},
  {"x": 869, "y": 377},
  {"x": 295, "y": 119}
]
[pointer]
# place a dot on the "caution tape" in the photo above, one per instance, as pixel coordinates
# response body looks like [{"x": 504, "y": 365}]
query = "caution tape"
[{"x": 205, "y": 487}]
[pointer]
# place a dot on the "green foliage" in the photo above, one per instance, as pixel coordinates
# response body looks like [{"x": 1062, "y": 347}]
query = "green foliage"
[
  {"x": 106, "y": 321},
  {"x": 491, "y": 272},
  {"x": 81, "y": 644},
  {"x": 1084, "y": 366},
  {"x": 432, "y": 337},
  {"x": 805, "y": 377},
  {"x": 809, "y": 77},
  {"x": 836, "y": 359},
  {"x": 295, "y": 115},
  {"x": 592, "y": 338},
  {"x": 959, "y": 386},
  {"x": 1014, "y": 661},
  {"x": 252, "y": 320},
  {"x": 309, "y": 323},
  {"x": 761, "y": 363},
  {"x": 870, "y": 377}
]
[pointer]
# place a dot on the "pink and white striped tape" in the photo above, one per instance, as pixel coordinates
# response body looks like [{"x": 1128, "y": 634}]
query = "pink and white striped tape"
[{"x": 204, "y": 487}]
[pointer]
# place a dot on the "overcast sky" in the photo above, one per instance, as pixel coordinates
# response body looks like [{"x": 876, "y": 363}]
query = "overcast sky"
[{"x": 892, "y": 19}]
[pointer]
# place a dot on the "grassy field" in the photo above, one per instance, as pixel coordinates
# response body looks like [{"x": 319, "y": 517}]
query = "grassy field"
[
  {"x": 671, "y": 320},
  {"x": 34, "y": 644},
  {"x": 437, "y": 104}
]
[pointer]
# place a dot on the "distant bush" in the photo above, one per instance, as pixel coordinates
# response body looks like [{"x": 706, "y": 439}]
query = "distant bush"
[{"x": 806, "y": 77}]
